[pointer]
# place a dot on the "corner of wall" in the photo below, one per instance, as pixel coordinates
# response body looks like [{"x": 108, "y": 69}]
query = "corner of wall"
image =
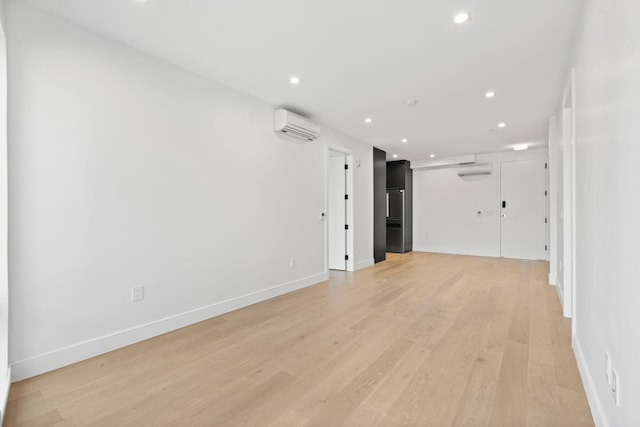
[
  {"x": 5, "y": 387},
  {"x": 364, "y": 264}
]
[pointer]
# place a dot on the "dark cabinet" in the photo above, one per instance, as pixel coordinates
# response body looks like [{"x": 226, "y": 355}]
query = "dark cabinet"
[
  {"x": 379, "y": 205},
  {"x": 399, "y": 207}
]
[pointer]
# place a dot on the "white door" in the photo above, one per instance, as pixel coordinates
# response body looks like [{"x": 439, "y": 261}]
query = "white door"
[
  {"x": 336, "y": 212},
  {"x": 523, "y": 228}
]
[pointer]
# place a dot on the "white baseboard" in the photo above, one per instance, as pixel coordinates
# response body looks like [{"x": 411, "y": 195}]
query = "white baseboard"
[
  {"x": 454, "y": 251},
  {"x": 599, "y": 417},
  {"x": 553, "y": 280},
  {"x": 84, "y": 350},
  {"x": 5, "y": 386},
  {"x": 364, "y": 264}
]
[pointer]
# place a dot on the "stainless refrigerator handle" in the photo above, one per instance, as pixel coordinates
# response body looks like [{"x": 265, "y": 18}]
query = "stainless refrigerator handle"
[
  {"x": 387, "y": 205},
  {"x": 403, "y": 225}
]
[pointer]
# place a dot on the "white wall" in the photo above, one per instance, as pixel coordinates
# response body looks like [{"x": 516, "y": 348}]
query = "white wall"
[
  {"x": 445, "y": 207},
  {"x": 126, "y": 170},
  {"x": 5, "y": 374},
  {"x": 607, "y": 60}
]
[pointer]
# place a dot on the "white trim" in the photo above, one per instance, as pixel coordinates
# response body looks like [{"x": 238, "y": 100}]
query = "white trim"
[
  {"x": 560, "y": 291},
  {"x": 364, "y": 264},
  {"x": 454, "y": 251},
  {"x": 5, "y": 387},
  {"x": 84, "y": 350},
  {"x": 573, "y": 204},
  {"x": 595, "y": 404},
  {"x": 553, "y": 280}
]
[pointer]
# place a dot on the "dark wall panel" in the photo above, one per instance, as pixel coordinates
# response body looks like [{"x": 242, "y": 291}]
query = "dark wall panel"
[{"x": 379, "y": 205}]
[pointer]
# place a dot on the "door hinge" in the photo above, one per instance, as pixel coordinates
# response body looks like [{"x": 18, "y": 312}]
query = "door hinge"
[
  {"x": 545, "y": 247},
  {"x": 346, "y": 166},
  {"x": 545, "y": 220},
  {"x": 346, "y": 257},
  {"x": 545, "y": 165},
  {"x": 545, "y": 192},
  {"x": 346, "y": 197},
  {"x": 346, "y": 226}
]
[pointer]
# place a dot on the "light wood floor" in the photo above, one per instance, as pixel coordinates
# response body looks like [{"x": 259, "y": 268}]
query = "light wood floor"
[{"x": 418, "y": 340}]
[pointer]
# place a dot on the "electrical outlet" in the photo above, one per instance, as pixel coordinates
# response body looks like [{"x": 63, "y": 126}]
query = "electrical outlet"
[
  {"x": 607, "y": 367},
  {"x": 137, "y": 293},
  {"x": 615, "y": 387},
  {"x": 292, "y": 263}
]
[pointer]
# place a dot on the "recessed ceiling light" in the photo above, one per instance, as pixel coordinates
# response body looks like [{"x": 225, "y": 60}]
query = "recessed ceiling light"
[
  {"x": 501, "y": 125},
  {"x": 461, "y": 18},
  {"x": 294, "y": 80},
  {"x": 489, "y": 94},
  {"x": 142, "y": 1},
  {"x": 405, "y": 140},
  {"x": 432, "y": 155},
  {"x": 395, "y": 156},
  {"x": 368, "y": 120},
  {"x": 520, "y": 147},
  {"x": 411, "y": 102}
]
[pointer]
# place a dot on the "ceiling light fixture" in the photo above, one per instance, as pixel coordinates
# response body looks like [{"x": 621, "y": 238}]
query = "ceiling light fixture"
[
  {"x": 489, "y": 94},
  {"x": 461, "y": 18},
  {"x": 501, "y": 125},
  {"x": 395, "y": 156},
  {"x": 520, "y": 147},
  {"x": 405, "y": 140},
  {"x": 411, "y": 102},
  {"x": 294, "y": 80},
  {"x": 432, "y": 155},
  {"x": 368, "y": 120}
]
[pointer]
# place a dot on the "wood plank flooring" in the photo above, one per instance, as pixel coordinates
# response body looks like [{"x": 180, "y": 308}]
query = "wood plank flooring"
[{"x": 418, "y": 340}]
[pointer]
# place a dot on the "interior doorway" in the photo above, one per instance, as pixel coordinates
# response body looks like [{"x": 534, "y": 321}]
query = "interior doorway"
[
  {"x": 523, "y": 209},
  {"x": 339, "y": 217},
  {"x": 337, "y": 210}
]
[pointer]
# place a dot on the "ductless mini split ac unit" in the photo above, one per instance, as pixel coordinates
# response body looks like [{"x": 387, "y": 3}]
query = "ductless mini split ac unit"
[
  {"x": 474, "y": 169},
  {"x": 294, "y": 126}
]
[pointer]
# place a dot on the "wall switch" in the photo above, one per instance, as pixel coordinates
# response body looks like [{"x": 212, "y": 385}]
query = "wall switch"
[
  {"x": 607, "y": 367},
  {"x": 615, "y": 387},
  {"x": 137, "y": 293},
  {"x": 292, "y": 262}
]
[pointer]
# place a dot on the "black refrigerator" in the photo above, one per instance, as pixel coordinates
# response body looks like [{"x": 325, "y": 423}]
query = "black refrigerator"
[{"x": 399, "y": 207}]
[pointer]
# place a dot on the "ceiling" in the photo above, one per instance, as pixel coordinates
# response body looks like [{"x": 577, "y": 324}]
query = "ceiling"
[{"x": 366, "y": 58}]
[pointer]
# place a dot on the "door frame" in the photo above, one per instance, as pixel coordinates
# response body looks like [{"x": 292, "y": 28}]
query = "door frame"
[
  {"x": 5, "y": 369},
  {"x": 569, "y": 150},
  {"x": 348, "y": 155}
]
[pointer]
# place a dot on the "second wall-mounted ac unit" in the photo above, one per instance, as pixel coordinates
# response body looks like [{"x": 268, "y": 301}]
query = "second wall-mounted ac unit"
[
  {"x": 474, "y": 169},
  {"x": 292, "y": 125}
]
